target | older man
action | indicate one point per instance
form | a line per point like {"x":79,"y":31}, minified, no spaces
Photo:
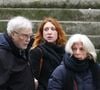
{"x":15,"y":72}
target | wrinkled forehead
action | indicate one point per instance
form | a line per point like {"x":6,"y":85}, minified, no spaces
{"x":78,"y":43}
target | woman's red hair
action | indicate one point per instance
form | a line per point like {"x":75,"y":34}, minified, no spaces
{"x":39,"y":34}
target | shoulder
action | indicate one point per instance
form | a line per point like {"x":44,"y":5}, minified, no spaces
{"x":56,"y":80}
{"x":59,"y":78}
{"x":95,"y":68}
{"x":35,"y":50}
{"x":98,"y":67}
{"x":35,"y":54}
{"x":60,"y":72}
{"x":2,"y":39}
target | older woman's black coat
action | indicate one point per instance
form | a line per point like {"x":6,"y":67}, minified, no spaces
{"x":15,"y":71}
{"x":52,"y":55}
{"x":63,"y":78}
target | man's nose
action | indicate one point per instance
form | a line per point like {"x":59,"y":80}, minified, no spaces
{"x":77,"y":51}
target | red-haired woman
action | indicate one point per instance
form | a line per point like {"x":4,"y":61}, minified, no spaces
{"x":49,"y":45}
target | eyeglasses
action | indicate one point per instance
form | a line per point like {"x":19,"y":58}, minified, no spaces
{"x":25,"y":36}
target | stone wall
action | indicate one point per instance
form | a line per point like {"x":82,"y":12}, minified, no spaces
{"x":76,"y":16}
{"x":54,"y":3}
{"x":13,"y":2}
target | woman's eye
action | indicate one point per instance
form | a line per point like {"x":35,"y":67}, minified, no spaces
{"x":74,"y":49}
{"x":49,"y":28}
{"x":81,"y":49}
{"x":46,"y":29}
{"x":52,"y":28}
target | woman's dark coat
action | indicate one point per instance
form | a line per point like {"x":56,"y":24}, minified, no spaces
{"x":51,"y":55}
{"x":63,"y":78}
{"x":15,"y":71}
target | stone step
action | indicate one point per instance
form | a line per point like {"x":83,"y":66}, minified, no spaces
{"x":59,"y":13}
{"x":51,"y":3}
{"x":70,"y":27}
{"x":92,"y":29}
{"x":86,"y":21}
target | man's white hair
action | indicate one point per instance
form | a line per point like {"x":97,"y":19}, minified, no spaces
{"x":17,"y":23}
{"x":87,"y":44}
